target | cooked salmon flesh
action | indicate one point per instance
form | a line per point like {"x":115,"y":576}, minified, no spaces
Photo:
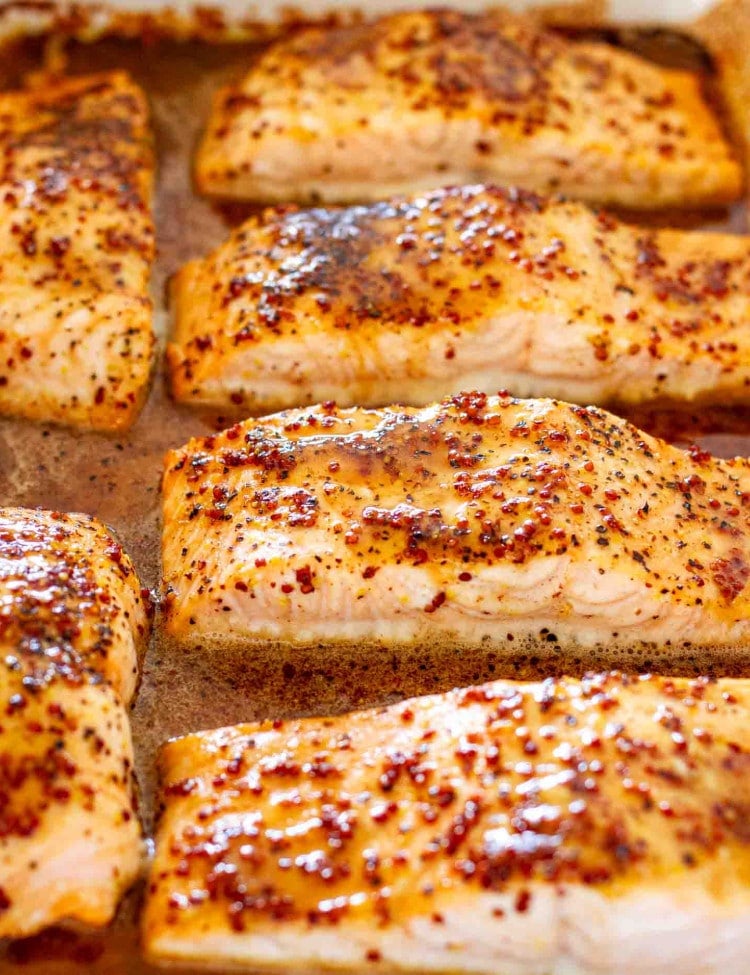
{"x":76,"y":247}
{"x":519,"y":526}
{"x":72,"y":621}
{"x":594,"y":827}
{"x":461,"y":288}
{"x":421,"y":98}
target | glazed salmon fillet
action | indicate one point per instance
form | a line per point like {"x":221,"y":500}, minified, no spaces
{"x":564,"y":827}
{"x":462,"y":288}
{"x":414,"y":99}
{"x":71,"y":622}
{"x":531,"y":528}
{"x":67,"y":589}
{"x":76,"y":247}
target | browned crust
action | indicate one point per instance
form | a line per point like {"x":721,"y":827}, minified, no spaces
{"x":453,"y":760}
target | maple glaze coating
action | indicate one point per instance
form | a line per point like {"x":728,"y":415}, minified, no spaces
{"x":510,"y":523}
{"x":70,"y":599}
{"x":72,"y":620}
{"x":461,"y":288}
{"x":76,"y":247}
{"x":561,"y":826}
{"x":418,"y":98}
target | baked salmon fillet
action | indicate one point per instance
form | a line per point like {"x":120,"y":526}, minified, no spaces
{"x":538,"y":529}
{"x":462,"y":288}
{"x":71,"y":621}
{"x":414,"y":99}
{"x":76,"y":247}
{"x":559,"y":828}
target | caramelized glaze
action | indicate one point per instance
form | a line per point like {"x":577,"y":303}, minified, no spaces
{"x":76,"y":246}
{"x":508,"y":827}
{"x":482,"y":520}
{"x":472,"y":287}
{"x":71,"y":621}
{"x":70,"y":601}
{"x":419,"y":98}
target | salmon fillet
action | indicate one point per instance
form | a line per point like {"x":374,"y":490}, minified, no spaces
{"x":76,"y":247}
{"x":414,"y":99}
{"x":71,"y":621}
{"x":565,"y":827}
{"x":538,"y":529}
{"x":67,"y":589}
{"x":463,"y":288}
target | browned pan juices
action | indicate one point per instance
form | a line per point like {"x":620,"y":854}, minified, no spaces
{"x":118,"y":480}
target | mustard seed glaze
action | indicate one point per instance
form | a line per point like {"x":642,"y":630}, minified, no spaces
{"x":72,"y":620}
{"x":464,"y":287}
{"x":477,"y":803}
{"x":420,"y":98}
{"x":70,"y":599}
{"x":76,"y":246}
{"x":481,"y":519}
{"x":118,"y":480}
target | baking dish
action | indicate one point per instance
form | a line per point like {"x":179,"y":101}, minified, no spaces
{"x":118,"y":480}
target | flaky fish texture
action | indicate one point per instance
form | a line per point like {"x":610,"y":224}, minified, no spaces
{"x":521,"y":526}
{"x":414,"y":99}
{"x":72,"y":620}
{"x":461,"y":288}
{"x":565,"y":828}
{"x":76,"y":247}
